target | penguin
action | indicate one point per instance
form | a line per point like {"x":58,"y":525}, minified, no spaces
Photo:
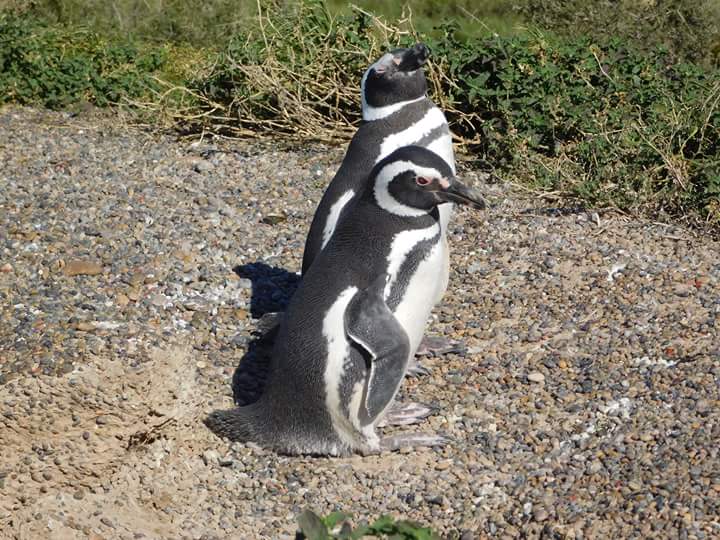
{"x":352,"y":326}
{"x":396,"y":112}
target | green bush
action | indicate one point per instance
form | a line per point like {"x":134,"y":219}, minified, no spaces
{"x":57,"y":66}
{"x":208,"y":23}
{"x":205,"y":23}
{"x":608,"y":124}
{"x":688,"y":29}
{"x":610,"y":121}
{"x":336,"y":526}
{"x":472,"y":17}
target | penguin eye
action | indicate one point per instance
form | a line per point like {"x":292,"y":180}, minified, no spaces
{"x":422,"y":181}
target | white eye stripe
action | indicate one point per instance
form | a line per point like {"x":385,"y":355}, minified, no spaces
{"x":386,"y":175}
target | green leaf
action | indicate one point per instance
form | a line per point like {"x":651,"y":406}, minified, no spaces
{"x":383,"y":524}
{"x":415,"y":531}
{"x":332,"y":519}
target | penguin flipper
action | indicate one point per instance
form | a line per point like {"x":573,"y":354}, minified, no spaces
{"x":373,"y":327}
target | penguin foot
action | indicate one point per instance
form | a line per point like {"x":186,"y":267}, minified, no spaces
{"x":438,"y":346}
{"x":405,"y":414}
{"x":412,"y":440}
{"x":416,"y":369}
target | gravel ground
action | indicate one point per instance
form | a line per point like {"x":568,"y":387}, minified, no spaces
{"x":133,"y":268}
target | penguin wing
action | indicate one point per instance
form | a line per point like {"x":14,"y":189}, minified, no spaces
{"x":371,"y":325}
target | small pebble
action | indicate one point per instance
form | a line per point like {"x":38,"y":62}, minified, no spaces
{"x":203,"y":166}
{"x":210,"y":457}
{"x":78,"y":267}
{"x":141,"y":265}
{"x":536,"y":377}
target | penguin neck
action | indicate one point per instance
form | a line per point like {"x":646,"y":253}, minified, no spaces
{"x":370,"y":113}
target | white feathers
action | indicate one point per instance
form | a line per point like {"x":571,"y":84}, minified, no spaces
{"x":371,"y":440}
{"x":337,"y":353}
{"x":433,"y":119}
{"x":413,"y":134}
{"x":356,"y":401}
{"x":614,"y":270}
{"x":425,"y":285}
{"x":333,"y":215}
{"x":442,"y":146}
{"x":370,"y":113}
{"x":403,"y":243}
{"x":382,"y":193}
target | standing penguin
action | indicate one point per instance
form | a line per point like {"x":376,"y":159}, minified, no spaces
{"x":396,"y":112}
{"x":357,"y":317}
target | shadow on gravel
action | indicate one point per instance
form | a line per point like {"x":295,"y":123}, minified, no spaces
{"x":249,"y":378}
{"x":272,"y":289}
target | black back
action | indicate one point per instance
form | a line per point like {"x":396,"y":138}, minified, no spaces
{"x":361,"y":157}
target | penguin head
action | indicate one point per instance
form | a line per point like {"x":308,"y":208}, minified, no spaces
{"x":413,"y":180}
{"x":395,"y":78}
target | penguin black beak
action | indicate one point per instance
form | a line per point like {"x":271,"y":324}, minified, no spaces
{"x":456,"y":191}
{"x":413,"y":58}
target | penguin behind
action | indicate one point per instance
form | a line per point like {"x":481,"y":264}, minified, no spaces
{"x":396,"y":112}
{"x":345,"y":342}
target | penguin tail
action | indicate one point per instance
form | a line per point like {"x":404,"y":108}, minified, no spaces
{"x":239,"y":424}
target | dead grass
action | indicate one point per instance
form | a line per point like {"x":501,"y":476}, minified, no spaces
{"x":283,"y":94}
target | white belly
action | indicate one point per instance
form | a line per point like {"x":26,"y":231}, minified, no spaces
{"x":443,"y":148}
{"x":444,"y":271}
{"x":420,"y":295}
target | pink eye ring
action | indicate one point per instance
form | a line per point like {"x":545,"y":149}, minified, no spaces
{"x":422,"y":181}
